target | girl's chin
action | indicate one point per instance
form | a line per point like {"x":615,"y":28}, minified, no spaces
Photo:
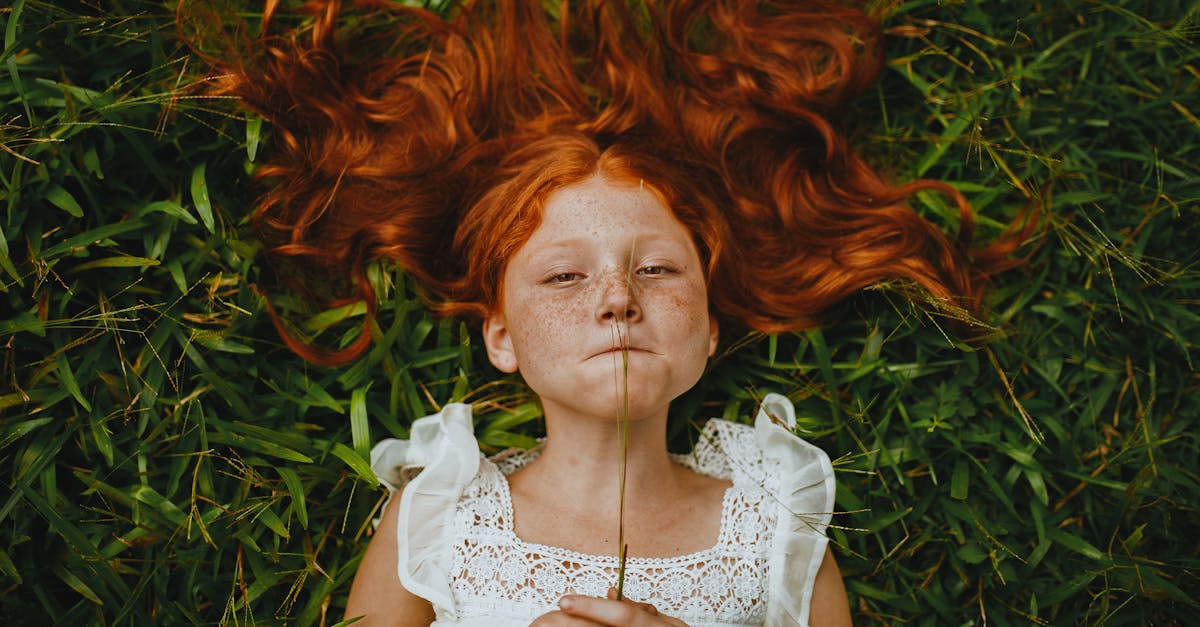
{"x":614,"y":407}
{"x":604,"y":397}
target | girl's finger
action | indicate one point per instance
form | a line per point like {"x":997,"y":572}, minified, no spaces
{"x":614,"y":613}
{"x":562,"y":619}
{"x":645,"y":607}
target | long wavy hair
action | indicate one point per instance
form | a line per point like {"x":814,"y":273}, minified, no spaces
{"x":434,"y":141}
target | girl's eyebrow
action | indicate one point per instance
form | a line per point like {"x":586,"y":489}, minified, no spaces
{"x":657,"y":241}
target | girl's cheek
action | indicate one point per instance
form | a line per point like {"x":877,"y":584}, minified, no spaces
{"x":683,"y":304}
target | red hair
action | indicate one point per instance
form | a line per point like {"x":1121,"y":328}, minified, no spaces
{"x":435,"y":141}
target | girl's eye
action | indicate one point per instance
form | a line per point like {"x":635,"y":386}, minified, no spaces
{"x":654,"y":270}
{"x":563,"y":277}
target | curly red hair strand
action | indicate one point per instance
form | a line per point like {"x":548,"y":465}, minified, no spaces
{"x":402,"y":135}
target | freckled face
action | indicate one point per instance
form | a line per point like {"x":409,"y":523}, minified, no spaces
{"x":609,"y":261}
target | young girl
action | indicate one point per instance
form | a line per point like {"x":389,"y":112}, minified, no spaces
{"x":604,"y":310}
{"x":603,"y":186}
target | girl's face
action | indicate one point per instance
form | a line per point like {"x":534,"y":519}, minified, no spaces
{"x":609,"y":265}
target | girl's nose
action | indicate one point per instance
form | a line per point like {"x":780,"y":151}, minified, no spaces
{"x":618,"y":300}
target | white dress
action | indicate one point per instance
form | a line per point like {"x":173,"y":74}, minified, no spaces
{"x":458,"y":549}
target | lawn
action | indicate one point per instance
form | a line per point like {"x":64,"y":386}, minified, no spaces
{"x":164,"y":459}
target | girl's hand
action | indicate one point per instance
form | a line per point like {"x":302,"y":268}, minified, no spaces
{"x":585,"y":611}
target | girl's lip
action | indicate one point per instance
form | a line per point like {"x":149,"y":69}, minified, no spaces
{"x":618,"y":349}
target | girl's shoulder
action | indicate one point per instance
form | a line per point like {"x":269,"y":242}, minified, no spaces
{"x":767,"y":455}
{"x":794,"y":479}
{"x":433,"y":466}
{"x":444,"y":442}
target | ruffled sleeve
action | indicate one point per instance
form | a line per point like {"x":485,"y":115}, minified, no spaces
{"x":444,"y":450}
{"x":805,"y":499}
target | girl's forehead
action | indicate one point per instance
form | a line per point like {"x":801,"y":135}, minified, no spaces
{"x":599,"y":201}
{"x":597,"y":216}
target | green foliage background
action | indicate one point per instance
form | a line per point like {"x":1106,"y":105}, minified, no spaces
{"x":164,"y":460}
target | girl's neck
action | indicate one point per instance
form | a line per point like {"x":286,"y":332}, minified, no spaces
{"x":570,"y":495}
{"x":583,"y":457}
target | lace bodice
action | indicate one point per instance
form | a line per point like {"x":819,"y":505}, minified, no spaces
{"x":496,"y":574}
{"x":459,"y":549}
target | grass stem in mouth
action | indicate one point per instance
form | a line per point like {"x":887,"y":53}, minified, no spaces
{"x":623,"y":429}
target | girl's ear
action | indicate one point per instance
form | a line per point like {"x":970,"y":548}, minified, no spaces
{"x":714,"y":334}
{"x":499,"y":343}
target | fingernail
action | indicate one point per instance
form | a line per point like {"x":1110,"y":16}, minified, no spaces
{"x":566,"y":603}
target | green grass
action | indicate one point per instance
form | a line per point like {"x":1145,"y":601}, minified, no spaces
{"x":165,"y":460}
